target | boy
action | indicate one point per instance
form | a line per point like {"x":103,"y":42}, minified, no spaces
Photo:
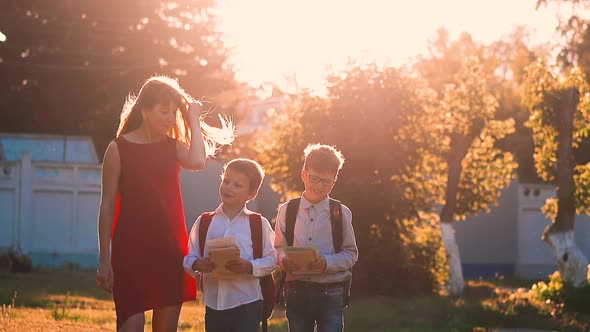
{"x":233,"y":304}
{"x":317,"y":298}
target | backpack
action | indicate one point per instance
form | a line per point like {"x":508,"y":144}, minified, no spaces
{"x":337,"y":238}
{"x":267,"y":283}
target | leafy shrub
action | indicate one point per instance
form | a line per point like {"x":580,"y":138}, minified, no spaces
{"x":14,"y":261}
{"x":563,"y":296}
{"x":406,"y":257}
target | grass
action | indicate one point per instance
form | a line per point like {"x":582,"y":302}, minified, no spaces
{"x":70,"y":301}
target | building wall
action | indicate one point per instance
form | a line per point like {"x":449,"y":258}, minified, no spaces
{"x":507,"y":240}
{"x":488,"y":242}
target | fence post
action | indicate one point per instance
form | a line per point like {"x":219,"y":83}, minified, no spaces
{"x":26,"y":203}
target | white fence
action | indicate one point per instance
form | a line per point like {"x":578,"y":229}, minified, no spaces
{"x":49,"y":211}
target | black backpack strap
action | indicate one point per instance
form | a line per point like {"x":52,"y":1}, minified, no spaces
{"x":290,"y":218}
{"x":336,"y":220}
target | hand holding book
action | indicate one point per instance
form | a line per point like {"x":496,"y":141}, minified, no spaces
{"x":204,"y":265}
{"x":239,"y":266}
{"x":304,"y":260}
{"x":221,"y":252}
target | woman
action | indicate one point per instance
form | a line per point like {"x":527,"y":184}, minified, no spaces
{"x":141,"y":218}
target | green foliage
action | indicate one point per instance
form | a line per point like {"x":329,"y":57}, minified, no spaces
{"x":542,"y":90}
{"x":282,"y":152}
{"x":466,"y":132}
{"x":541,"y":93}
{"x":561,"y":296}
{"x":486,"y":170}
{"x":407,"y":257}
{"x":62,"y":311}
{"x":501,"y":65}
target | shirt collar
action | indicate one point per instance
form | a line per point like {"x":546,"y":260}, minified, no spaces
{"x":324,"y":204}
{"x":244,"y":210}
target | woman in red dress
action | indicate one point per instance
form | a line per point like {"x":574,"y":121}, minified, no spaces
{"x":141,"y":225}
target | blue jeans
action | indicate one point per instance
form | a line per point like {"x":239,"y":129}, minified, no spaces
{"x":310,"y":305}
{"x":244,"y":318}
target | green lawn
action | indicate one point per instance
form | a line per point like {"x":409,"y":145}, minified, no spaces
{"x":70,"y":301}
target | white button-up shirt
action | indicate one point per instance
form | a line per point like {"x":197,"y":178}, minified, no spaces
{"x":227,"y":294}
{"x":314,"y":228}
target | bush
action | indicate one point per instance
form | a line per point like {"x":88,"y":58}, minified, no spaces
{"x":563,"y":296}
{"x":14,"y":261}
{"x":406,"y":258}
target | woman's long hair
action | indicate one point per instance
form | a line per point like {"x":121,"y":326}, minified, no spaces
{"x":162,"y":90}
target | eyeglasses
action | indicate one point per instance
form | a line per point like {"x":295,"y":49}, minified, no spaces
{"x":317,"y":179}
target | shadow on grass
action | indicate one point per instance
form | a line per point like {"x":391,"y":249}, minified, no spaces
{"x":42,"y":289}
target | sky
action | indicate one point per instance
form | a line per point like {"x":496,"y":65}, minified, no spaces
{"x":274,"y":38}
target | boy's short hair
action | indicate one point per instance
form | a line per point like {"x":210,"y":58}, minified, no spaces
{"x":250,"y":169}
{"x":323,"y":158}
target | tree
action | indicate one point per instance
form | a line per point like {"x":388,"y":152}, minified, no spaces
{"x":67,"y":66}
{"x":362,"y":115}
{"x":560,"y":118}
{"x":573,"y":46}
{"x":502,"y":63}
{"x":471,"y":169}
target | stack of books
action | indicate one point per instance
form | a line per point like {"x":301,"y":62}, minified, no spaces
{"x":221,"y":251}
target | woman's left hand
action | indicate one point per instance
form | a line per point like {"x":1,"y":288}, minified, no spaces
{"x":240,"y":266}
{"x":193,"y":112}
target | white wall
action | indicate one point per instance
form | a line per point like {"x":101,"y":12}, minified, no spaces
{"x":510,"y":234}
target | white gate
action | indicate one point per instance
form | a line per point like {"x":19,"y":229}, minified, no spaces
{"x":49,"y":211}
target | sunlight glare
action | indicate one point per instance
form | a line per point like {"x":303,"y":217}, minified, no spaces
{"x":272,"y":39}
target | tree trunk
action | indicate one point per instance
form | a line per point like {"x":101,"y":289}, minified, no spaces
{"x":571,"y":262}
{"x":456,"y":282}
{"x":459,"y":146}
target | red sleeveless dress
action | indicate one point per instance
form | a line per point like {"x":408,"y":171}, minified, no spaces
{"x":149,"y":239}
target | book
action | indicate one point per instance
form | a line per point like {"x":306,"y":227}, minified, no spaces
{"x":222,"y":242}
{"x":221,"y":251}
{"x":303,"y":256}
{"x":220,"y":257}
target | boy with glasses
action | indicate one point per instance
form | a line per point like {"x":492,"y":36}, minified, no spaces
{"x":317,"y":299}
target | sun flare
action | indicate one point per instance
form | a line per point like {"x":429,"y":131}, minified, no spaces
{"x":273,"y":39}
